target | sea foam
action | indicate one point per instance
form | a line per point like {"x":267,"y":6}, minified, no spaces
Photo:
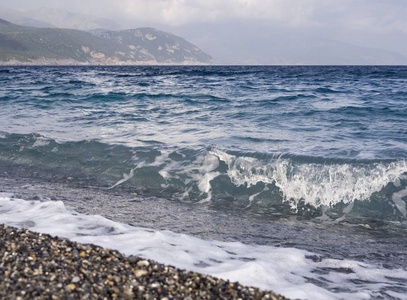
{"x":284,"y":270}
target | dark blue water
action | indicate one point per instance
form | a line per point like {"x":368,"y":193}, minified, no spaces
{"x":305,"y":157}
{"x":306,"y":141}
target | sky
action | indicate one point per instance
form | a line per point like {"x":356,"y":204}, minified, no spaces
{"x":222,"y":25}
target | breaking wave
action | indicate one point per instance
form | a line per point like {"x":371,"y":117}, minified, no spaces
{"x":280,"y":184}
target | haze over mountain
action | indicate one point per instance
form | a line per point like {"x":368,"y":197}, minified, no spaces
{"x":55,"y":46}
{"x":258,"y":37}
{"x":50,"y":17}
{"x":282,"y":46}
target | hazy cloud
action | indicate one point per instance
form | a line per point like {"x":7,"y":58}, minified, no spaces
{"x":183,"y":12}
{"x":225,"y":25}
{"x":353,"y":14}
{"x":369,"y":15}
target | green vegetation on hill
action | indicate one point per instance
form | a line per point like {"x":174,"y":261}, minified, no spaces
{"x":151,"y":44}
{"x":21,"y":44}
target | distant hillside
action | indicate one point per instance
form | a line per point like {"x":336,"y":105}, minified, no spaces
{"x":65,"y":19}
{"x":29,"y":45}
{"x":56,"y":18}
{"x":149,"y":44}
{"x":279,"y":45}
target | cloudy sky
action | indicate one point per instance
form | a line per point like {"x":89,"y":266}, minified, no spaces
{"x":224,"y":26}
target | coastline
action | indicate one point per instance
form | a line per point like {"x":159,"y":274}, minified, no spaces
{"x":37,"y":266}
{"x":49,"y":62}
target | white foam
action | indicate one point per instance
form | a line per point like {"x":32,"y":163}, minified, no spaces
{"x":315,"y":184}
{"x":284,"y":270}
{"x":201,"y":171}
{"x":399,"y":202}
{"x":124,"y":179}
{"x":41,"y":141}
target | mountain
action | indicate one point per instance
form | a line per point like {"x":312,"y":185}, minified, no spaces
{"x":56,"y":18}
{"x":276,"y":45}
{"x":245,"y":42}
{"x":22,"y":18}
{"x":64,"y":19}
{"x":149,"y":44}
{"x":50,"y":46}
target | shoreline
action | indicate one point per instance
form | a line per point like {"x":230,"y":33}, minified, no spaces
{"x":37,"y":266}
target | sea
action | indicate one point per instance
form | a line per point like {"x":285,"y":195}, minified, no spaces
{"x":289,"y":178}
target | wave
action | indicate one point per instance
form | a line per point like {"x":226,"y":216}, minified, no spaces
{"x":319,"y":183}
{"x":266,"y":183}
{"x":292,"y":272}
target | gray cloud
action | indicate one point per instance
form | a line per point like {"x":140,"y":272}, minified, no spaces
{"x":352,"y":14}
{"x":370,"y":23}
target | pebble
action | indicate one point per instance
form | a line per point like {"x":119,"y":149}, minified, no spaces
{"x":143,"y":263}
{"x":39,"y":266}
{"x":140,"y":273}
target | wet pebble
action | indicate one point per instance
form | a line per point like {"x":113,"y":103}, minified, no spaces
{"x":38,"y":266}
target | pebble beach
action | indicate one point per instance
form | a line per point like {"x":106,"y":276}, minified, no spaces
{"x":39,"y":266}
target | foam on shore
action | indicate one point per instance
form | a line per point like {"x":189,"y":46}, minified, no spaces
{"x":38,"y":266}
{"x":287,"y":271}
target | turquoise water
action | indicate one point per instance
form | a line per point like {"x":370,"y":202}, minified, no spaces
{"x":284,"y":146}
{"x":286,"y":140}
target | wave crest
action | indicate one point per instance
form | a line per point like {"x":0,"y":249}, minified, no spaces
{"x":313,"y":183}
